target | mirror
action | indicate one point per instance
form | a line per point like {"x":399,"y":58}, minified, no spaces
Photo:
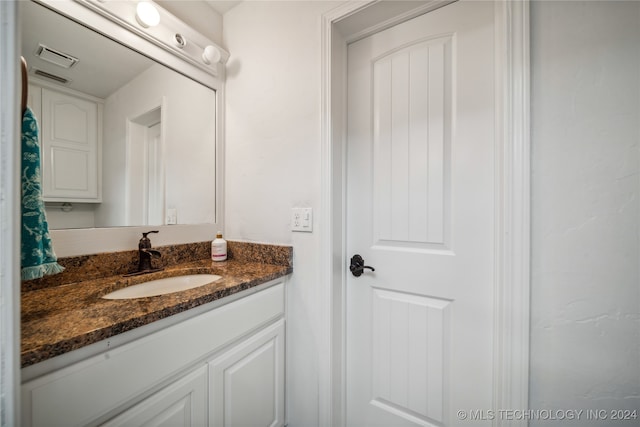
{"x":155,"y":157}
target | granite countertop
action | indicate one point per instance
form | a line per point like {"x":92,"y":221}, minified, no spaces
{"x":67,"y":316}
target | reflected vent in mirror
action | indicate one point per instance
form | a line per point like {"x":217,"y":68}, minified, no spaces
{"x":56,"y":57}
{"x":50,"y":76}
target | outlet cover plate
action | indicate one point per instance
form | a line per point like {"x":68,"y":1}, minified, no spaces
{"x":302,"y":219}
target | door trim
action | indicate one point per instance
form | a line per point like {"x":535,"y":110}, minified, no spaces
{"x":10,"y":122}
{"x":511,"y":325}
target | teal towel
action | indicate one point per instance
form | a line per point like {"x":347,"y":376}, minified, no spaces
{"x":37,"y":256}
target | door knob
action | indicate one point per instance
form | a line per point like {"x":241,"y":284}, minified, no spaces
{"x":357,"y":266}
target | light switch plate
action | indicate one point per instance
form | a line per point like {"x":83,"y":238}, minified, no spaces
{"x":302,"y":219}
{"x":172,"y":216}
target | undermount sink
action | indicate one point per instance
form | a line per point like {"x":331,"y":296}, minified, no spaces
{"x":163,"y":286}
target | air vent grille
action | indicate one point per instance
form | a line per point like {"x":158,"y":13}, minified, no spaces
{"x":56,"y":57}
{"x":50,"y":76}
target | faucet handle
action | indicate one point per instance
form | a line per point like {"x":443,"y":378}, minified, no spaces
{"x":144,"y":242}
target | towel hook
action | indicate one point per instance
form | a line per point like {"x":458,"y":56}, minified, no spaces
{"x":25,"y":85}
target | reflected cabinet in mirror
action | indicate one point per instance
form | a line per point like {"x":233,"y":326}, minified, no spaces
{"x":126,"y":140}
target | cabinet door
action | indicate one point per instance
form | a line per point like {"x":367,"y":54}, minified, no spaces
{"x":246,"y":383}
{"x":70,"y":149}
{"x":183,"y":403}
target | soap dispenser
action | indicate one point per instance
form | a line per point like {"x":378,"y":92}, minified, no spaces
{"x":219,"y":248}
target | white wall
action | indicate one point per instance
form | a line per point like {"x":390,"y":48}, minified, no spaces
{"x":273,"y":162}
{"x":585,"y":275}
{"x":585,"y":291}
{"x":81,"y":215}
{"x":189,"y":133}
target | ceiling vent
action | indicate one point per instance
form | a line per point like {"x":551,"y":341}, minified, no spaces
{"x":50,"y":76}
{"x":55,"y":57}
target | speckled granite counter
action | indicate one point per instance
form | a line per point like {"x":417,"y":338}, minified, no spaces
{"x":65,"y":313}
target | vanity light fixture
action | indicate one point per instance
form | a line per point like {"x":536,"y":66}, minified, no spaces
{"x":147,"y":15}
{"x":181,"y":41}
{"x":168,"y":32}
{"x":211,"y":55}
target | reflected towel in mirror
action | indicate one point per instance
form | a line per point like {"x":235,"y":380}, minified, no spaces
{"x":37,"y":256}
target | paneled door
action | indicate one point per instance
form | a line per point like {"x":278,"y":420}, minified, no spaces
{"x":70,"y":148}
{"x":421,"y":211}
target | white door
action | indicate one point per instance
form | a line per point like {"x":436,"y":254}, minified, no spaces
{"x":155,"y":177}
{"x":145,"y":170}
{"x":420,"y":210}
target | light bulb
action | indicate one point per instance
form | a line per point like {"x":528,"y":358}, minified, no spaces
{"x":211,"y":55}
{"x":147,"y":15}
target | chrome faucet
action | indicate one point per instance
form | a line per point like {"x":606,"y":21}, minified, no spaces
{"x":146,"y":253}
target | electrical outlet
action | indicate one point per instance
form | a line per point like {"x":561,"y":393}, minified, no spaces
{"x":302,"y":219}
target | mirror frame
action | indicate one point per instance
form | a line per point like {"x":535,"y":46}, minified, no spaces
{"x":73,"y":242}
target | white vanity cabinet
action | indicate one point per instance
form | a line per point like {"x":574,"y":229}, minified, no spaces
{"x":222,"y":367}
{"x":183,"y":403}
{"x":247,"y":382}
{"x":70,"y":139}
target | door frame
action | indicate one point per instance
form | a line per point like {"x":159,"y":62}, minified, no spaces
{"x":10,"y":122}
{"x":512,"y":219}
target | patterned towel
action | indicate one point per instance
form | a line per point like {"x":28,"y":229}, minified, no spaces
{"x":37,"y":256}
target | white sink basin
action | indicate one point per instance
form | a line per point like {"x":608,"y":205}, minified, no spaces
{"x":163,"y":286}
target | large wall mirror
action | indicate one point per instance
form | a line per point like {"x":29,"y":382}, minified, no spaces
{"x":127,"y":140}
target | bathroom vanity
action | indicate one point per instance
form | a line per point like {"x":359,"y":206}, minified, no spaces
{"x":214,"y":366}
{"x":212,"y":355}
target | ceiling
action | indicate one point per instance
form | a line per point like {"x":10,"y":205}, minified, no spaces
{"x":222,"y":6}
{"x":99,"y":71}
